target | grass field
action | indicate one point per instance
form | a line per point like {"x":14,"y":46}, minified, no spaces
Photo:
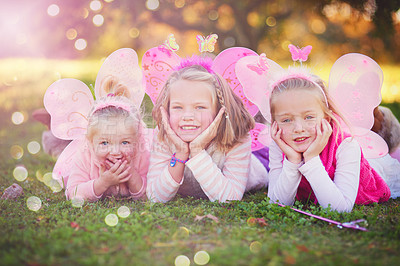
{"x":249,"y":232}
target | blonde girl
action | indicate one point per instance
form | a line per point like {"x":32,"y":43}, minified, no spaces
{"x":203,"y":147}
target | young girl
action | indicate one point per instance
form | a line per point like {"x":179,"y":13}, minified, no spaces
{"x":203,"y":147}
{"x":114,"y":159}
{"x":312,"y":159}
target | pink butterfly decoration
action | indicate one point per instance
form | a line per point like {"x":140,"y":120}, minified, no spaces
{"x":206,"y":44}
{"x":261,"y":66}
{"x":300,"y":54}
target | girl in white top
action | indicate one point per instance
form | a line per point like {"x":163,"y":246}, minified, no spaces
{"x":203,"y":147}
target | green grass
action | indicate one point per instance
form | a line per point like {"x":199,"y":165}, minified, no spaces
{"x":155,"y":234}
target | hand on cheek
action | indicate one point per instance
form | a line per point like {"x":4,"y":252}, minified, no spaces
{"x":203,"y":140}
{"x":181,"y":146}
{"x":324,"y":131}
{"x":276,"y":134}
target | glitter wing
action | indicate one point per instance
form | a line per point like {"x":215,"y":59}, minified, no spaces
{"x":157,"y":64}
{"x":224,"y":64}
{"x":68,"y":102}
{"x":255,"y":86}
{"x":359,"y":79}
{"x":124,"y":65}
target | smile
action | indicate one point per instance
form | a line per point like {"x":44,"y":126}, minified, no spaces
{"x":189,"y":127}
{"x":300,"y":139}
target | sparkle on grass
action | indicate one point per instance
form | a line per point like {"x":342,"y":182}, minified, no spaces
{"x":33,"y":147}
{"x":111,"y":219}
{"x":255,"y":247}
{"x":201,"y":257}
{"x":17,"y":118}
{"x":34,"y":203}
{"x":20,"y":173}
{"x":123,"y":212}
{"x":77,"y":202}
{"x":16,"y":152}
{"x":182,"y":260}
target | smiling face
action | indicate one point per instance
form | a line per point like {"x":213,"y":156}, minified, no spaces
{"x":297,"y":113}
{"x":114,"y":139}
{"x":191,"y":109}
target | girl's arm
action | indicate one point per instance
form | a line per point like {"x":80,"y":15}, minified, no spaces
{"x":228,"y":183}
{"x":137,"y":184}
{"x":80,"y":184}
{"x":284,"y":177}
{"x":341,"y":193}
{"x":161,"y":186}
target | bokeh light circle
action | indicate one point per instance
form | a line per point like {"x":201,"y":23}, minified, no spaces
{"x":201,"y":257}
{"x":123,"y":211}
{"x":71,"y":34}
{"x":34,"y":203}
{"x":134,"y":33}
{"x":182,"y":260}
{"x":54,"y":186}
{"x":47,"y":177}
{"x":33,"y":147}
{"x":16,"y":152}
{"x":53,"y":10}
{"x":17,"y":118}
{"x":80,"y":44}
{"x":98,"y":20}
{"x":39,"y":175}
{"x":111,"y":219}
{"x":95,"y":5}
{"x":255,"y":246}
{"x":152,"y":4}
{"x":20,"y":173}
{"x":77,"y":202}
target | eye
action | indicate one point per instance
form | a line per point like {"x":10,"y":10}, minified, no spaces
{"x":200,"y":107}
{"x":309,"y":117}
{"x":125,"y":142}
{"x":287,"y":120}
{"x":176,"y":107}
{"x":104,"y":143}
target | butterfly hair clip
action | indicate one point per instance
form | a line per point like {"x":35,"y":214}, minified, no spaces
{"x":300,"y":54}
{"x":207,"y":44}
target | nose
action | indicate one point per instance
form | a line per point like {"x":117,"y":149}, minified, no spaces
{"x":115,"y":149}
{"x":188,"y":115}
{"x":298,"y":126}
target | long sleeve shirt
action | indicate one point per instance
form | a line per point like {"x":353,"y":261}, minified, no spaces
{"x":210,"y":174}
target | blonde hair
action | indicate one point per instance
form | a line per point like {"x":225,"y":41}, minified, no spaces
{"x":325,"y":101}
{"x":234,"y":126}
{"x":120,"y":93}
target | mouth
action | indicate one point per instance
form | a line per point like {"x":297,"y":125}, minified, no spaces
{"x":301,"y":139}
{"x":189,"y":127}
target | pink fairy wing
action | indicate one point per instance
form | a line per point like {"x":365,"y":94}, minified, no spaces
{"x":372,"y":145}
{"x":65,"y":162}
{"x":224,"y":64}
{"x":157,"y":64}
{"x":124,"y":65}
{"x":260,"y":137}
{"x":355,"y":85}
{"x":68,"y":102}
{"x":256,"y":86}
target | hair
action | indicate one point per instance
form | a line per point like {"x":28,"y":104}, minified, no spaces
{"x":325,"y":101}
{"x":119,"y":93}
{"x":234,"y":126}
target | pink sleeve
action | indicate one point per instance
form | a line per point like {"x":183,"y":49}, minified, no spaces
{"x":161,"y":187}
{"x":80,"y":183}
{"x":228,"y":183}
{"x":142,"y":166}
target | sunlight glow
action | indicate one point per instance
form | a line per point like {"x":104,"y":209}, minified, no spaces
{"x":17,"y":118}
{"x":20,"y":173}
{"x":201,"y":257}
{"x":95,"y":5}
{"x":53,"y":10}
{"x":111,"y":220}
{"x":152,"y":4}
{"x":16,"y":152}
{"x":80,"y":44}
{"x":182,"y":260}
{"x":33,"y":147}
{"x":98,"y":20}
{"x":34,"y":203}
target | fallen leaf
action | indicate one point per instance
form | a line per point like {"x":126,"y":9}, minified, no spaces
{"x":210,"y":216}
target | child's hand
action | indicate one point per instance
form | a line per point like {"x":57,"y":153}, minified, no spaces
{"x":324,"y":131}
{"x":181,"y":146}
{"x":203,"y":140}
{"x":292,"y":155}
{"x":117,"y":173}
